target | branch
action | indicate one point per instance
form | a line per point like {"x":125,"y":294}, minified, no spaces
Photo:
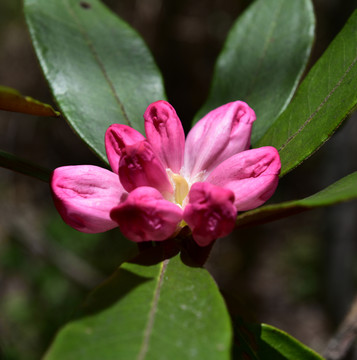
{"x":342,"y":341}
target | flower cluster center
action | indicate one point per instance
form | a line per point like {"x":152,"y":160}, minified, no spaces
{"x":181,"y":188}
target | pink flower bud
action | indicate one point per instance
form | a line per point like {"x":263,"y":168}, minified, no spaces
{"x":165,"y":134}
{"x":210,"y":212}
{"x":146,"y":216}
{"x":139,"y":166}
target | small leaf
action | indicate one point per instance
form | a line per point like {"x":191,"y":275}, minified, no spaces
{"x":265,"y":342}
{"x":263,"y":59}
{"x":12,"y":162}
{"x":12,"y":100}
{"x":324,"y":99}
{"x":286,"y":346}
{"x":99,"y":69}
{"x":164,"y":311}
{"x":344,"y":189}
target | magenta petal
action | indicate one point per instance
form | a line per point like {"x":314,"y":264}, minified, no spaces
{"x":222,"y":133}
{"x":210,"y":212}
{"x":252,"y":175}
{"x":139,"y":166}
{"x":146,"y":216}
{"x":117,"y":137}
{"x":84,"y":196}
{"x":165,"y":134}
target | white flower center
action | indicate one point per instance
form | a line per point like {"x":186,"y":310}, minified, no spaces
{"x":180,"y":186}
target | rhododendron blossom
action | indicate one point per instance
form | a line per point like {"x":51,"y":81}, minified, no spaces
{"x":162,"y":183}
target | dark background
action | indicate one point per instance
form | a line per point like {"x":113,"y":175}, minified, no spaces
{"x":298,"y":274}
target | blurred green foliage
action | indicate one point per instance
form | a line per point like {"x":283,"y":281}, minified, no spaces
{"x":36,"y":297}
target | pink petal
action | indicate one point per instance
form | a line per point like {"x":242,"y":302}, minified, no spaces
{"x":222,"y":133}
{"x":252,"y":175}
{"x":117,"y":137}
{"x":139,"y":166}
{"x":84,"y":196}
{"x":165,"y":134}
{"x":210,"y":212}
{"x":146,"y":216}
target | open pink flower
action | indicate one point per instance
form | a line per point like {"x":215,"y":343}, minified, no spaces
{"x":161,"y":183}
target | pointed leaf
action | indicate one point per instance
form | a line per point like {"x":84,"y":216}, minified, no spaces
{"x":265,"y":342}
{"x":343,"y":190}
{"x":324,"y":99}
{"x":98,"y":67}
{"x":164,"y":311}
{"x":263,"y":59}
{"x":12,"y":162}
{"x":12,"y":100}
{"x":285,"y":345}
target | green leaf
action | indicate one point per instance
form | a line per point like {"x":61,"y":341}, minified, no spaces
{"x":263,"y":59}
{"x":265,"y":342}
{"x":324,"y":99}
{"x":164,"y":311}
{"x":12,"y":162}
{"x":12,"y":100}
{"x":99,"y":69}
{"x":284,"y":344}
{"x":344,"y":189}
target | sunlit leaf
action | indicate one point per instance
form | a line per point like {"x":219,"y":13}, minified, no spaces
{"x":99,"y":69}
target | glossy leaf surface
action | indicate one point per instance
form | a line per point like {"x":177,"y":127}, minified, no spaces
{"x":263,"y":59}
{"x":99,"y":69}
{"x":344,"y":189}
{"x":325,"y":98}
{"x":164,"y":311}
{"x":12,"y":100}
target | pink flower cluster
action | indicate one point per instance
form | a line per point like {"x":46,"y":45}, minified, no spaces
{"x":162,"y":183}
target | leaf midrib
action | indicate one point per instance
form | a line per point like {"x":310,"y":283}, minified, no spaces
{"x":311,"y":117}
{"x":99,"y":62}
{"x":267,"y":43}
{"x":151,"y":318}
